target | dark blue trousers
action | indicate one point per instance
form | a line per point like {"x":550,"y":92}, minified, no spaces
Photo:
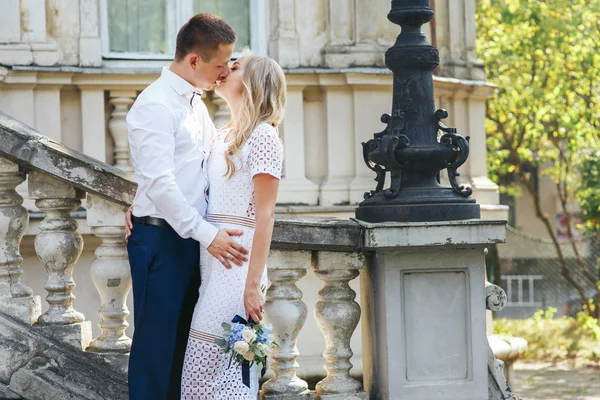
{"x":166,"y":277}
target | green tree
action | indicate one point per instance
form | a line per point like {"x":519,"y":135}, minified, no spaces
{"x":589,"y":195}
{"x":545,"y":118}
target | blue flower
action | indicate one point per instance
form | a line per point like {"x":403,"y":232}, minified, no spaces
{"x":264,"y":338}
{"x":236,"y":333}
{"x":261,"y":339}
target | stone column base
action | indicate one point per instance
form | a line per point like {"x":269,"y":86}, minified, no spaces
{"x":25,"y":309}
{"x":334,"y":191}
{"x":306,"y":395}
{"x":77,"y":335}
{"x":344,"y":396}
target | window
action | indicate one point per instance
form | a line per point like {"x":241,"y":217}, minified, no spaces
{"x":146,"y":29}
{"x":230,"y":11}
{"x":137,"y":26}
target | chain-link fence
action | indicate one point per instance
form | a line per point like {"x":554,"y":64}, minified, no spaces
{"x":528,"y":269}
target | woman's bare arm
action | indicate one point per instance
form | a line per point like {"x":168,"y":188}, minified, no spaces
{"x":265,"y":196}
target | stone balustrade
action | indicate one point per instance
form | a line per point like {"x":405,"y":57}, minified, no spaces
{"x":329,"y":113}
{"x":335,"y":251}
{"x":58,"y":181}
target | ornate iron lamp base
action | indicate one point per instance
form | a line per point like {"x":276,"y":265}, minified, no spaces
{"x":415,"y":145}
{"x":418,"y":204}
{"x":417,"y":212}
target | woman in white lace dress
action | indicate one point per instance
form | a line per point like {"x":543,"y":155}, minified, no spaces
{"x":244,"y":168}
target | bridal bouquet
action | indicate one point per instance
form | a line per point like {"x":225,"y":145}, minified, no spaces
{"x":248,"y":343}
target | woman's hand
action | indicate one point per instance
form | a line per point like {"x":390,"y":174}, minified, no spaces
{"x":128,"y":222}
{"x":254,"y":301}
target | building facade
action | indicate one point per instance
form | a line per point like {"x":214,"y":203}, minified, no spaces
{"x":72,"y":69}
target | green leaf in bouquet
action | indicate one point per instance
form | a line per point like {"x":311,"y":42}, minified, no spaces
{"x":226,"y":327}
{"x":221,"y":342}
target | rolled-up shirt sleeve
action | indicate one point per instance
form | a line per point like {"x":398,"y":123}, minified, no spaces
{"x":152,"y":142}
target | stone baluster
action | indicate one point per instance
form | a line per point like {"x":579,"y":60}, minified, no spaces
{"x":58,"y":246}
{"x":117,"y":125}
{"x":110,"y":274}
{"x":337,"y":315}
{"x":286,"y":311}
{"x":16,"y":299}
{"x":221,"y":115}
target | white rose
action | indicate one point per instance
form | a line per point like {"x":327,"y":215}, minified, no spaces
{"x":263,"y":348}
{"x":248,"y":335}
{"x":249,"y":356}
{"x":241,"y":347}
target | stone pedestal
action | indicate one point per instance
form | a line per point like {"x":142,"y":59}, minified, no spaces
{"x":78,"y":335}
{"x":423,"y":298}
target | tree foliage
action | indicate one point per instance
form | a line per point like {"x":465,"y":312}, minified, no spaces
{"x":589,"y":194}
{"x":545,"y":118}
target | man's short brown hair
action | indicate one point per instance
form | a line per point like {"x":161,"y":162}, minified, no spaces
{"x":203,"y":34}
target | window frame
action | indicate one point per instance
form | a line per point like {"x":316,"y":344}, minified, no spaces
{"x":179,"y":11}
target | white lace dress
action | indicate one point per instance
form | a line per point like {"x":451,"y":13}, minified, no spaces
{"x":230,"y":205}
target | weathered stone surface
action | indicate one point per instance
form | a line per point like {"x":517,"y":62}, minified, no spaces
{"x":58,"y":245}
{"x":26,"y":309}
{"x":495,"y":297}
{"x":110,"y":274}
{"x":337,"y":315}
{"x":16,"y":298}
{"x":316,"y":234}
{"x":28,"y":148}
{"x":498,"y":388}
{"x":15,"y":352}
{"x":342,"y":396}
{"x":423,"y":311}
{"x":462,"y":233}
{"x":7,"y":394}
{"x":286,"y":311}
{"x":77,"y":335}
{"x":306,"y":395}
{"x":47,"y":369}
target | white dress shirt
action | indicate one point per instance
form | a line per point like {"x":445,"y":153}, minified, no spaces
{"x":169,"y":137}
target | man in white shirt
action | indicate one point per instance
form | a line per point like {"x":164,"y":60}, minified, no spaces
{"x":169,"y":137}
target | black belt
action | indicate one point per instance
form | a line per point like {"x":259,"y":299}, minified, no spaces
{"x":151,"y":221}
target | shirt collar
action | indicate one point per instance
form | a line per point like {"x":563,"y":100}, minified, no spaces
{"x":180,"y":85}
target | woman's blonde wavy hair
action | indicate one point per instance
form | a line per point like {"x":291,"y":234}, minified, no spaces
{"x":264,"y":100}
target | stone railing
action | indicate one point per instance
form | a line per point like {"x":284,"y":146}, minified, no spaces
{"x":330,"y":112}
{"x":335,"y":251}
{"x":59,"y":179}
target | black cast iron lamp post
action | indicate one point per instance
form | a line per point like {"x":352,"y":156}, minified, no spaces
{"x":409,"y":148}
